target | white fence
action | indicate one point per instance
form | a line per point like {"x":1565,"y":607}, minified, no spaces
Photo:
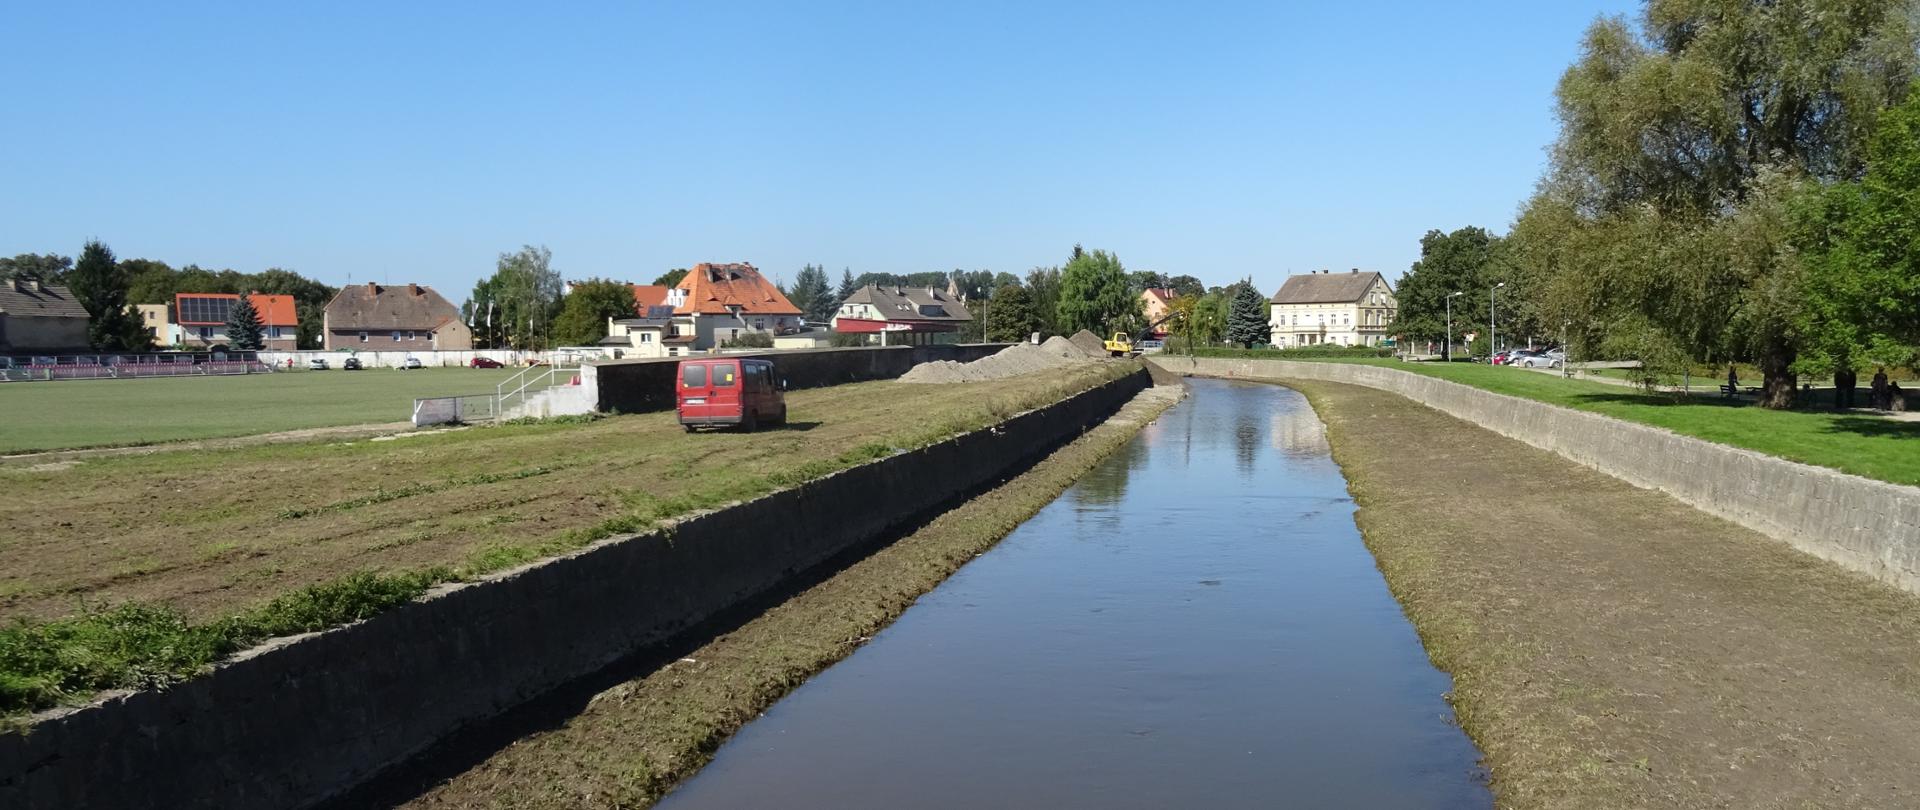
{"x":433,"y":359}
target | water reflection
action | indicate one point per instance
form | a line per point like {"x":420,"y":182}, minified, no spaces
{"x":1196,"y":624}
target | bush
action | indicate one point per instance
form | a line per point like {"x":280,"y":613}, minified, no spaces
{"x":848,"y":340}
{"x":750,"y":340}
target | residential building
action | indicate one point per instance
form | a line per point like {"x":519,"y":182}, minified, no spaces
{"x":1156,"y":304}
{"x":649,"y":295}
{"x":161,"y":330}
{"x":1323,"y":308}
{"x":716,"y":303}
{"x":903,"y":316}
{"x":39,"y":317}
{"x":643,"y":336}
{"x":376,"y":317}
{"x":201,"y":319}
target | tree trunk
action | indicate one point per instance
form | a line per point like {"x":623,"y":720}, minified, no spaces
{"x":1779,"y":381}
{"x":1844,"y":382}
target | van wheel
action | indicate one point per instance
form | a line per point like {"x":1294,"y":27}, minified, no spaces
{"x":689,"y":427}
{"x":749,"y":422}
{"x":782,"y":418}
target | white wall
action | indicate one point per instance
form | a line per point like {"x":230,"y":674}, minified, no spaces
{"x":435,"y":359}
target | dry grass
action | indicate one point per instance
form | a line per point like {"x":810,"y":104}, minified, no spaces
{"x":636,"y":740}
{"x":1612,"y":647}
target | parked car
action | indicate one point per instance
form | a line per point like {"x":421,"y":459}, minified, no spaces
{"x":412,"y":362}
{"x":352,"y":364}
{"x":317,"y":364}
{"x":729,"y":391}
{"x":486,"y":362}
{"x":1554,"y":358}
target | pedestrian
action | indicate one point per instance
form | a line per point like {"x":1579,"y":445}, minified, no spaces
{"x":1880,"y":399}
{"x":1844,"y":381}
{"x":1896,"y":398}
{"x":1733,"y":380}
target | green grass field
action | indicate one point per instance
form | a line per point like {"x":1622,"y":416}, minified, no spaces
{"x":99,"y":413}
{"x":1869,"y":446}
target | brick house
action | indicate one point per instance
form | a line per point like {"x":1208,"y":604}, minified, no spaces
{"x":40,"y":317}
{"x":200,"y":319}
{"x":374,"y":317}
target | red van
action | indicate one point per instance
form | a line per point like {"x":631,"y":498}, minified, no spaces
{"x":729,"y":391}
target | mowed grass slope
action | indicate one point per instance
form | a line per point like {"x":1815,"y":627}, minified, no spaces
{"x":215,"y":531}
{"x":99,"y":413}
{"x":1868,"y":446}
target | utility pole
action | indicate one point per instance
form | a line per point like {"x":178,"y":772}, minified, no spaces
{"x":1493,"y":333}
{"x":1447,"y":352}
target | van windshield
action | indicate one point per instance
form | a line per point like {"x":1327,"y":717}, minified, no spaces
{"x":694,"y":376}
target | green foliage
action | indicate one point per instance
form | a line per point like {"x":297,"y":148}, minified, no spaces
{"x":1043,"y":285}
{"x":1247,"y":324}
{"x":526,"y":292}
{"x":1187,"y":286}
{"x":812,"y":295}
{"x":243,"y":326}
{"x":100,"y":285}
{"x":1010,"y":317}
{"x":585,"y":310}
{"x":749,"y":340}
{"x":154,"y":282}
{"x":51,"y":268}
{"x":847,"y":340}
{"x":1462,"y":262}
{"x":846,"y":285}
{"x":932,"y":278}
{"x":670,"y":278}
{"x":1095,"y":295}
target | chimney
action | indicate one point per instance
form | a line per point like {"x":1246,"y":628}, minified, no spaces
{"x":372,"y":288}
{"x":1354,"y":270}
{"x":414,"y":289}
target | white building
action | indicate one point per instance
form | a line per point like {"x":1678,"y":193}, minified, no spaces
{"x":1342,"y":309}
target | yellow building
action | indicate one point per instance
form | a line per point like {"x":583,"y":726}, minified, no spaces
{"x":1340,"y":309}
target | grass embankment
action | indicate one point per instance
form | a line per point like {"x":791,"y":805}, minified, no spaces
{"x":633,"y":742}
{"x":1868,"y":446}
{"x":101,"y":413}
{"x":217,"y":550}
{"x":1611,"y":647}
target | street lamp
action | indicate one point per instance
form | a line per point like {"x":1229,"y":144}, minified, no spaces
{"x":1448,"y":354}
{"x":1493,"y":333}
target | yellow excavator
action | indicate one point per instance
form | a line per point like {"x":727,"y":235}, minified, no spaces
{"x":1121,"y":345}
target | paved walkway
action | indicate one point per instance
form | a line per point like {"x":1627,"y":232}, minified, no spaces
{"x":1612,"y":647}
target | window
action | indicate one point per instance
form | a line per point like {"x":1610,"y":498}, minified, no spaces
{"x":646,"y":337}
{"x":723,"y":376}
{"x":363,"y":337}
{"x":694,"y":377}
{"x":206,"y":333}
{"x":396,"y":334}
{"x":736,"y":333}
{"x":760,"y":323}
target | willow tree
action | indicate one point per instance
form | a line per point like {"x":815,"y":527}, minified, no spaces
{"x":1661,"y":220}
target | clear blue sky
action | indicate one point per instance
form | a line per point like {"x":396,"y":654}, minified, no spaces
{"x":400,"y":142}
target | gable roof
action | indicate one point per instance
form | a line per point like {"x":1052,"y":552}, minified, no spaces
{"x":717,"y":289}
{"x":911,"y":303}
{"x":372,"y":306}
{"x":48,"y":301}
{"x":648,"y":295}
{"x":273,"y":310}
{"x":1163,"y":294}
{"x":1327,"y":288}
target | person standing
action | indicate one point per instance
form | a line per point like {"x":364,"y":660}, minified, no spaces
{"x":1881,"y":401}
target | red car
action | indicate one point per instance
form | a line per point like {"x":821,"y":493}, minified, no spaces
{"x":485,"y":362}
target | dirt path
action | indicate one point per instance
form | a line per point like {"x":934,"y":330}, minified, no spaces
{"x":1612,"y":647}
{"x":627,"y":744}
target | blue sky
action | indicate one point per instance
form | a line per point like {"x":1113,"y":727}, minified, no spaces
{"x":415,"y":142}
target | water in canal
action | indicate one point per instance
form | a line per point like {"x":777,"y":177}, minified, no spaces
{"x":1194,"y":624}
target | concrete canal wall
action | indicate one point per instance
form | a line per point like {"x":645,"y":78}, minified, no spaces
{"x":1869,"y":526}
{"x":638,"y":386}
{"x":303,"y":719}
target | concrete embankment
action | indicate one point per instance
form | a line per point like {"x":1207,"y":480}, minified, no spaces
{"x":1869,"y":526}
{"x":305,"y":718}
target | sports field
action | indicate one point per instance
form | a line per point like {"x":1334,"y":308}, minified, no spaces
{"x":105,"y":413}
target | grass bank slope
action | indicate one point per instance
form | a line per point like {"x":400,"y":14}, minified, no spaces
{"x":1612,"y":647}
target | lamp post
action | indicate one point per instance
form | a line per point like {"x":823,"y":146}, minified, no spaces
{"x":1493,"y":332}
{"x":1448,"y":354}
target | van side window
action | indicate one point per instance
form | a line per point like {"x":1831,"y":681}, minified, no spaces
{"x":723,"y":376}
{"x":694,"y":376}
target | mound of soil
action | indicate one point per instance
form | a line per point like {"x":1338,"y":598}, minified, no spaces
{"x":1093,"y":345}
{"x":1013,"y":361}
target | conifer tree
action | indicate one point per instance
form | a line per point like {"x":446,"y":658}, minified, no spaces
{"x":1247,"y":319}
{"x":243,"y":326}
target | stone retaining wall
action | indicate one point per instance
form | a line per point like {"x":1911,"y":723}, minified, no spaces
{"x":638,"y":386}
{"x":1866,"y":525}
{"x":303,"y":719}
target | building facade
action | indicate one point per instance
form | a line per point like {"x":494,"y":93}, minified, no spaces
{"x":375,"y":317}
{"x":39,"y":317}
{"x":1333,"y":309}
{"x":200,"y":320}
{"x":1156,"y":303}
{"x":716,"y":303}
{"x":903,"y":316}
{"x":158,"y":321}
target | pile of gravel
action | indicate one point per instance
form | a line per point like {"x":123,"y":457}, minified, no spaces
{"x":1013,"y":361}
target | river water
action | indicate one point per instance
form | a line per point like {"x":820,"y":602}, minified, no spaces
{"x":1194,"y":624}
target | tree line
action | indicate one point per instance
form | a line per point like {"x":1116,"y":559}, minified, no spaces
{"x":1731,"y":183}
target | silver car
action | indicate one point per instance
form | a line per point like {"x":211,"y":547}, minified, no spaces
{"x":1548,"y":359}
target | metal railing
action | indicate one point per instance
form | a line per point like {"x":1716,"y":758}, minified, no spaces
{"x":517,"y":389}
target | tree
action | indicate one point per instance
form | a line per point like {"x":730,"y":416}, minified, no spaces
{"x":1095,"y":295}
{"x":671,"y":277}
{"x":812,"y":295}
{"x":526,"y":290}
{"x":50,"y":268}
{"x":243,"y":326}
{"x":1144,"y":280}
{"x":1187,"y":286}
{"x":1247,"y":317}
{"x":1681,"y":144}
{"x":1010,"y":317}
{"x":1043,"y":285}
{"x":846,"y":285}
{"x":584,"y":311}
{"x":101,"y":287}
{"x":1461,"y":261}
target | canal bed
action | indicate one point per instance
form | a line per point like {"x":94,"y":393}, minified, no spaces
{"x":1194,"y":623}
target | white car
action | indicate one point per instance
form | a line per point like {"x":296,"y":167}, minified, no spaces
{"x":1548,"y":359}
{"x":412,"y":362}
{"x":317,"y":364}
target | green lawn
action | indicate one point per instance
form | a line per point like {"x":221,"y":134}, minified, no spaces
{"x":1867,"y":446}
{"x":94,"y":413}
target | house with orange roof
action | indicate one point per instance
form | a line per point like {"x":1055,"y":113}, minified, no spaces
{"x":1158,"y":304}
{"x":201,"y":319}
{"x":716,"y":303}
{"x":648,"y":296}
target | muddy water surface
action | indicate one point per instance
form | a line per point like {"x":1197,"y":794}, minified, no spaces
{"x":1194,"y":624}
